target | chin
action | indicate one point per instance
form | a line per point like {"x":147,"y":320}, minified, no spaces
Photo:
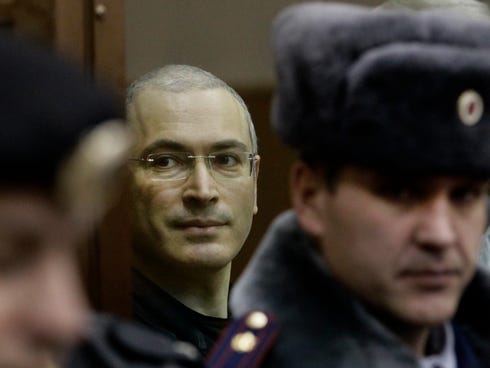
{"x":210,"y":256}
{"x":429,"y":312}
{"x":208,"y":264}
{"x":219,"y":249}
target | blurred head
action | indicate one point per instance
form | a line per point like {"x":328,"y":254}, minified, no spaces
{"x":392,"y":188}
{"x":58,"y":150}
{"x":194,"y":170}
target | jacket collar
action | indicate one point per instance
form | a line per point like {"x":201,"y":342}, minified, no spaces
{"x":287,"y":278}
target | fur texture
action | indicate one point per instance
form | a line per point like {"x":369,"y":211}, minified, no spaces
{"x":322,"y":325}
{"x":380,"y":88}
{"x":471,"y":8}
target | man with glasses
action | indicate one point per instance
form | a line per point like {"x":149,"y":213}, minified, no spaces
{"x":194,"y":172}
{"x":378,"y":261}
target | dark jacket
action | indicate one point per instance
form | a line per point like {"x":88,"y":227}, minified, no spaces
{"x":323,"y":325}
{"x":113,"y":343}
{"x":158,"y":310}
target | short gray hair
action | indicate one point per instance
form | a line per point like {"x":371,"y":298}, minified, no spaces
{"x":182,"y":78}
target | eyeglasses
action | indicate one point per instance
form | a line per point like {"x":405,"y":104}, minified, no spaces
{"x":169,"y":166}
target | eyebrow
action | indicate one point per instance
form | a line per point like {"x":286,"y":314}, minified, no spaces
{"x":176,"y":146}
{"x":163,"y":143}
{"x":230,"y":143}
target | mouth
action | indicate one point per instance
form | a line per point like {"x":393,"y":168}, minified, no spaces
{"x":431,"y":278}
{"x":201,"y":226}
{"x":200,"y":222}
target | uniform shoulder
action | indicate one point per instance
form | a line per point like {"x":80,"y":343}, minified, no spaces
{"x":117,"y":343}
{"x":245,"y":342}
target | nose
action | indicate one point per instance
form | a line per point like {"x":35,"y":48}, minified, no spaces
{"x":435,"y":227}
{"x":57,"y":313}
{"x":200,"y":188}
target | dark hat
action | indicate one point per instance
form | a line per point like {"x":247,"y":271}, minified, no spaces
{"x":386,"y":89}
{"x":45,"y":108}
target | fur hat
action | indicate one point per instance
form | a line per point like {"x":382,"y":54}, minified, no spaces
{"x":45,"y":109}
{"x":392,"y":90}
{"x":469,"y":8}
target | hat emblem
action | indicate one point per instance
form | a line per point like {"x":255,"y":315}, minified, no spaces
{"x":470,"y":107}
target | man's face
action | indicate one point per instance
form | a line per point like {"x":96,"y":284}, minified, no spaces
{"x":42,"y":310}
{"x":202,"y":220}
{"x":405,"y":247}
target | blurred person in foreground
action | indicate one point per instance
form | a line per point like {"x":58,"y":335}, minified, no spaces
{"x":194,"y":194}
{"x":377,"y":261}
{"x":61,"y":149}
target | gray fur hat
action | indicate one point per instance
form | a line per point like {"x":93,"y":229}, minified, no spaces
{"x":393,"y":90}
{"x":468,"y":8}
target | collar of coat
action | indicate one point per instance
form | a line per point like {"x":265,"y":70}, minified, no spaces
{"x":322,"y":324}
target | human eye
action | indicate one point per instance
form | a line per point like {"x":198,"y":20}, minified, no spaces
{"x":17,"y":251}
{"x":469,"y":193}
{"x":165,"y":161}
{"x":227,"y":159}
{"x":400,"y":192}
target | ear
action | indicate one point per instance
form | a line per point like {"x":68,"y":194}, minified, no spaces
{"x":308,"y":195}
{"x":256,"y":175}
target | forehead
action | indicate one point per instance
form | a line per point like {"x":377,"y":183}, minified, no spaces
{"x":195,"y":119}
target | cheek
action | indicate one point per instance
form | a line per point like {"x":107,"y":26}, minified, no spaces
{"x":242,"y":200}
{"x":471,"y":230}
{"x":17,"y":291}
{"x":363,"y":238}
{"x":9,"y":299}
{"x":241,"y":203}
{"x":365,"y":227}
{"x":149,"y":199}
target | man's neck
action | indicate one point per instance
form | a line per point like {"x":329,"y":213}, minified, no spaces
{"x":204,"y":291}
{"x":415,"y":337}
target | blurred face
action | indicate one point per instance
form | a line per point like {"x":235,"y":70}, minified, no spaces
{"x":406,"y":247}
{"x":204,"y":219}
{"x":42,"y":310}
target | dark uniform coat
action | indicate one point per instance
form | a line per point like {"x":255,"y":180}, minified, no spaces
{"x":322,"y":325}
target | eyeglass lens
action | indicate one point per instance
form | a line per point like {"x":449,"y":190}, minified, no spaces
{"x":179,"y":165}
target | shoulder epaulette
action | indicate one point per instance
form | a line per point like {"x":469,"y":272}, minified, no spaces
{"x":245,"y":342}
